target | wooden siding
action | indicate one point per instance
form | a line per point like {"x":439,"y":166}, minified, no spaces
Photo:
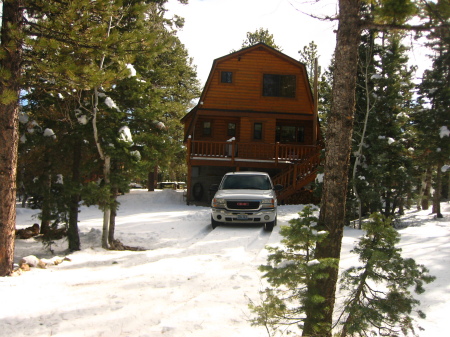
{"x":242,"y":102}
{"x":245,"y":93}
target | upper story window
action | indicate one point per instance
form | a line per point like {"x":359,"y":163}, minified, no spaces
{"x":279,"y":85}
{"x":257,"y":131}
{"x":226,"y":77}
{"x":206,"y":128}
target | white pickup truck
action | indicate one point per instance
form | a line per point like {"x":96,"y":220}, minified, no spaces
{"x":245,"y":197}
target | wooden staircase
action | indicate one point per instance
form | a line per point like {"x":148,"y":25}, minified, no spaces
{"x":297,"y":176}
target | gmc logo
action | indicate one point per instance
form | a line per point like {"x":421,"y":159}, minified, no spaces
{"x":242,"y":203}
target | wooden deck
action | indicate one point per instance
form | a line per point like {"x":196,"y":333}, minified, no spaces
{"x":259,"y":154}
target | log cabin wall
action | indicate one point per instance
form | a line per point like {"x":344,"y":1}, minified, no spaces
{"x":234,"y":106}
{"x":244,"y":93}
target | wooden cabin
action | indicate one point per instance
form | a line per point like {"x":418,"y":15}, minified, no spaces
{"x":256,"y":112}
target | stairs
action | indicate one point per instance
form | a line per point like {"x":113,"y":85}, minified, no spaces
{"x":297,"y":176}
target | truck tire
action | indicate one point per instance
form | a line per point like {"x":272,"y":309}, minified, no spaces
{"x":214,"y":223}
{"x":268,"y":226}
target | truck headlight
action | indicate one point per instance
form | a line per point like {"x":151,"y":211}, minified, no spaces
{"x":268,"y":203}
{"x":218,"y":203}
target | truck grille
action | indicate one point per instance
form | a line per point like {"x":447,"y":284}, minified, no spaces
{"x":243,"y":204}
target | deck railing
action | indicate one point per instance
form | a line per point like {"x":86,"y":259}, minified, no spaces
{"x":274,"y":152}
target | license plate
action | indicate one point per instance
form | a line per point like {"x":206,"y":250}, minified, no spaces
{"x":242,"y":217}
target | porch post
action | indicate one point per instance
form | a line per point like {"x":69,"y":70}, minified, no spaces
{"x":189,"y":172}
{"x":277,"y":152}
{"x":233,"y":150}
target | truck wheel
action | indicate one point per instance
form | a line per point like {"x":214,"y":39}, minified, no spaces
{"x":268,"y":226}
{"x":214,"y":223}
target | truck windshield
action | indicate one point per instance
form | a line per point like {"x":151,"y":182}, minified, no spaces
{"x":246,"y":182}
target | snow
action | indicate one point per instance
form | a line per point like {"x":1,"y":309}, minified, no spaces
{"x":132,"y":70}
{"x":111,"y":104}
{"x":313,"y":262}
{"x":125,"y":134}
{"x":49,"y":133}
{"x":444,"y":132}
{"x":190,"y":281}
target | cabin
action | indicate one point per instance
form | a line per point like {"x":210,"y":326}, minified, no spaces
{"x":257,"y":112}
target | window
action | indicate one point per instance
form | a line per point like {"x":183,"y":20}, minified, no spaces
{"x":226,"y":77}
{"x":231,"y":132}
{"x":279,"y":85}
{"x":290,"y":134}
{"x":206,"y":128}
{"x":257,"y":131}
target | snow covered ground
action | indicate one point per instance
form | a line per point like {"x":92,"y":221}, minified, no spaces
{"x":190,"y":280}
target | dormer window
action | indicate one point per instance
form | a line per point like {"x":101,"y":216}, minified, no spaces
{"x":226,"y":77}
{"x":279,"y":85}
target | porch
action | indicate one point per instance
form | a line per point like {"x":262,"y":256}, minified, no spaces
{"x":234,"y":153}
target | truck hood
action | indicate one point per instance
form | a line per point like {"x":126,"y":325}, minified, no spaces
{"x":245,"y":194}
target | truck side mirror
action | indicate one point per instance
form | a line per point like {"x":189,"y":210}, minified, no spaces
{"x":214,"y":188}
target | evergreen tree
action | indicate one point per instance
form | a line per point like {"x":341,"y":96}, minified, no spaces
{"x":52,"y":128}
{"x":155,"y":103}
{"x":292,"y":272}
{"x":308,"y":56}
{"x":338,"y":143}
{"x":432,"y":119}
{"x":376,"y":294}
{"x":88,"y":61}
{"x":383,"y":176}
{"x":385,"y":309}
{"x":260,"y":35}
{"x":364,"y":108}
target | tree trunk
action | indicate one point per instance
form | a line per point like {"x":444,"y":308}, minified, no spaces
{"x":10,"y":62}
{"x":437,"y":192}
{"x":337,"y":157}
{"x":107,"y":210}
{"x":152,"y":178}
{"x":72,"y":233}
{"x":46,"y":202}
{"x":112,"y":219}
{"x":426,"y":193}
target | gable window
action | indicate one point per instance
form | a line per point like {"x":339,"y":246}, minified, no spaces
{"x":279,"y":85}
{"x":257,"y":131}
{"x":231,"y":131}
{"x":206,"y":128}
{"x":226,"y":77}
{"x":290,"y":134}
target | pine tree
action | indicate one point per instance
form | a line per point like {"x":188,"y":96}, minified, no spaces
{"x":308,"y":55}
{"x":378,"y":297}
{"x":432,"y":119}
{"x":384,"y":174}
{"x":87,"y":60}
{"x":260,"y":35}
{"x":292,"y":272}
{"x":364,"y":106}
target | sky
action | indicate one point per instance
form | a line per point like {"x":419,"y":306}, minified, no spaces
{"x":190,"y":281}
{"x":213,"y":28}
